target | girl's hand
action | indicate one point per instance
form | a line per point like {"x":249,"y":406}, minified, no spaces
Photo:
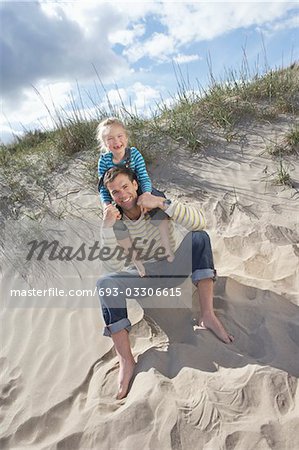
{"x":143,"y":197}
{"x":148,"y":201}
{"x":110,"y":216}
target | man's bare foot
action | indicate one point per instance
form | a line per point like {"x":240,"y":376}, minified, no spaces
{"x":140,"y":267}
{"x":126,"y":370}
{"x":212,"y":323}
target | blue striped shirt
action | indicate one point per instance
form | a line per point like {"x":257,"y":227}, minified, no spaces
{"x":137,"y":164}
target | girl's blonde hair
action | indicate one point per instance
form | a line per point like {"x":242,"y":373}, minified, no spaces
{"x":101,"y":128}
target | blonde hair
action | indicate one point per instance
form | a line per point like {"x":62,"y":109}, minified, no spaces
{"x":103,"y":125}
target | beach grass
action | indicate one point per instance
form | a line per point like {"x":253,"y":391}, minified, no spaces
{"x":190,"y":119}
{"x":283,"y":176}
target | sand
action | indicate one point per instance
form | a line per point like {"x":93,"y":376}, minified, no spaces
{"x":59,"y":374}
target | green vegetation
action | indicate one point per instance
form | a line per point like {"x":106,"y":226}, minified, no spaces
{"x":292,"y":139}
{"x":283,"y":176}
{"x":289,"y":144}
{"x":191,"y":119}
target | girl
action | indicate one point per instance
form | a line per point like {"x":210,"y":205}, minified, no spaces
{"x":113,"y":139}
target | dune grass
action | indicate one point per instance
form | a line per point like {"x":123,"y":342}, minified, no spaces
{"x":283,"y":176}
{"x":189,"y":119}
{"x":288,"y":144}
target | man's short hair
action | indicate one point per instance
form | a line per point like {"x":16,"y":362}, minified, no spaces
{"x":112,"y":173}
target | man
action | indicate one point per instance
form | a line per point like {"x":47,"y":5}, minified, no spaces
{"x":193,"y":254}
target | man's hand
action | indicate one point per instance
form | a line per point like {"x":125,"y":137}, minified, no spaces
{"x":110,"y":216}
{"x":148,"y":201}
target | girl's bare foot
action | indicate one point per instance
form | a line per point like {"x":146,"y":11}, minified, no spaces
{"x":140,"y":267}
{"x":126,"y":370}
{"x":211,"y":322}
{"x":170,"y":256}
{"x":168,"y":252}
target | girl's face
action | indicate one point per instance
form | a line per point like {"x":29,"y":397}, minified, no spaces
{"x":115,"y":139}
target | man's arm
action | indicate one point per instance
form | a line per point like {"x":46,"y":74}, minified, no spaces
{"x":188,"y":216}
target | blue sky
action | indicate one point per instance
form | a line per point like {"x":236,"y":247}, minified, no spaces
{"x":53,"y":46}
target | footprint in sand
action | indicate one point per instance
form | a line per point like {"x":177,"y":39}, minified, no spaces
{"x":282,"y":388}
{"x":242,"y":440}
{"x":11,"y":382}
{"x":281,"y":235}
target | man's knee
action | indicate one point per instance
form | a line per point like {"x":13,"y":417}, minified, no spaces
{"x":202,"y":257}
{"x":106,"y":281}
{"x":105,"y":288}
{"x":201,"y":239}
{"x":100,"y":282}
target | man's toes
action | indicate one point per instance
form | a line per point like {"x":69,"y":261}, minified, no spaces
{"x":231,"y":337}
{"x":228,"y":339}
{"x":122,"y":392}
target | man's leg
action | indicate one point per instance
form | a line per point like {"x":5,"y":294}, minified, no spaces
{"x":113,"y":290}
{"x":126,"y":361}
{"x":208,"y":317}
{"x":115,"y":315}
{"x":115,"y":310}
{"x":203,"y":273}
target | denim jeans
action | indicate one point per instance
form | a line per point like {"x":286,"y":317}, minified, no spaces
{"x":194,"y":256}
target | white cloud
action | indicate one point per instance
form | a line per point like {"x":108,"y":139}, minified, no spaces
{"x":136,"y":97}
{"x":158,"y":47}
{"x":8,"y":132}
{"x":190,"y":22}
{"x":145,"y":96}
{"x":63,"y":38}
{"x":136,"y":10}
{"x":36,"y":110}
{"x":115,"y":98}
{"x":288,"y":23}
{"x":206,"y":20}
{"x":37,"y":46}
{"x":40,"y":110}
{"x":54,"y":43}
{"x":86,"y":14}
{"x":183,"y":59}
{"x":127,"y":37}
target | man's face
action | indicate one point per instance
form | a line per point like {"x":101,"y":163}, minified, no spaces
{"x":123,"y":191}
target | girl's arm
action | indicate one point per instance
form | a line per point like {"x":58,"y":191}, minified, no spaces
{"x":102,"y":168}
{"x":140,"y":170}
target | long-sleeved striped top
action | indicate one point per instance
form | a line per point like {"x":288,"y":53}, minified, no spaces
{"x":184,"y":218}
{"x":137,"y":164}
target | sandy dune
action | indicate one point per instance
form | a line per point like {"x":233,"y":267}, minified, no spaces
{"x":59,"y":374}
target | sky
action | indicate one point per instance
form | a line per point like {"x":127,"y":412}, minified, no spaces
{"x":57,"y":53}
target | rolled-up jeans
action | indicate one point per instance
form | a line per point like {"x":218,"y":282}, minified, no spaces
{"x":193,"y":257}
